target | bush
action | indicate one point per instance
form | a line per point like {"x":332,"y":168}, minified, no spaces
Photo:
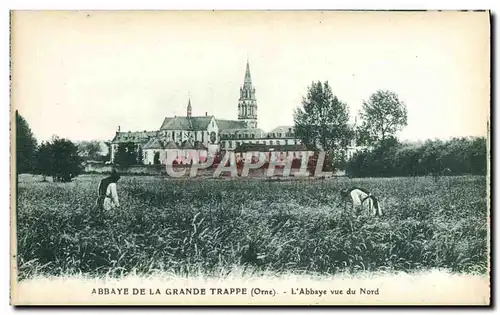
{"x":458,"y":156}
{"x":58,"y":158}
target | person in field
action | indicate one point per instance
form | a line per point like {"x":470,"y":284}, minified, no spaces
{"x":360,"y":198}
{"x":107,"y":198}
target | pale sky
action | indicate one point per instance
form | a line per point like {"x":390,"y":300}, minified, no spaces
{"x":81,"y":74}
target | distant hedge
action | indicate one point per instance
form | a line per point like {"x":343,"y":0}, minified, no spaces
{"x":457,"y":156}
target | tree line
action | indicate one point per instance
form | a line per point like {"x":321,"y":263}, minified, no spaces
{"x":62,"y":159}
{"x":127,"y":154}
{"x":322,"y":123}
{"x":458,"y":156}
{"x":58,"y":158}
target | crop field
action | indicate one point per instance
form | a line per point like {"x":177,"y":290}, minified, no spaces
{"x":186,"y":226}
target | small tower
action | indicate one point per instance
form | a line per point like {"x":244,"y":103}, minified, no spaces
{"x":189,"y":108}
{"x":247,"y":104}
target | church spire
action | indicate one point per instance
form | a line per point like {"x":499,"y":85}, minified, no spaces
{"x":189,"y":108}
{"x":248,"y":77}
{"x":247,"y":104}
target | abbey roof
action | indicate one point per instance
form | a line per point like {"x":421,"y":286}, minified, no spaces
{"x":186,"y":123}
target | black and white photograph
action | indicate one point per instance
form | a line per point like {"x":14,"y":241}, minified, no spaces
{"x":250,"y":157}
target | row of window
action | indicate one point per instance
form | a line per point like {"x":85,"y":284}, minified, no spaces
{"x":274,"y":155}
{"x":179,"y":135}
{"x":252,"y":136}
{"x":196,"y":137}
{"x":229,"y":144}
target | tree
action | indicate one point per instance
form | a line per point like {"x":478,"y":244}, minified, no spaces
{"x":126,"y":154}
{"x":362,"y":135}
{"x":59,"y":158}
{"x":66,"y":161}
{"x":90,"y":150}
{"x":458,"y":156}
{"x":322,"y":121}
{"x":478,"y":156}
{"x":383,"y":115}
{"x":107,"y":156}
{"x":26,"y":146}
{"x":43,"y":164}
{"x":140,"y":156}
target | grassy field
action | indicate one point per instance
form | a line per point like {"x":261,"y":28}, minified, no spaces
{"x":189,"y":226}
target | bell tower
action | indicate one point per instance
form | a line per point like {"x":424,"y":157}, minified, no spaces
{"x":247,"y":104}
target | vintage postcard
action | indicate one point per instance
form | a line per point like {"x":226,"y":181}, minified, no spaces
{"x":250,"y":158}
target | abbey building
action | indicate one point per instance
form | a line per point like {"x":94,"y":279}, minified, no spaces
{"x":195,"y":137}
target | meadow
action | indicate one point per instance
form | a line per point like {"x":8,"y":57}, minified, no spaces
{"x":210,"y":226}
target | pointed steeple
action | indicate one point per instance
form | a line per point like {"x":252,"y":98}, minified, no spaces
{"x":189,"y":108}
{"x":248,"y":77}
{"x":247,"y":104}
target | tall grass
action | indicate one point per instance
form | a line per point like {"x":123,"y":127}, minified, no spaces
{"x":205,"y":226}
